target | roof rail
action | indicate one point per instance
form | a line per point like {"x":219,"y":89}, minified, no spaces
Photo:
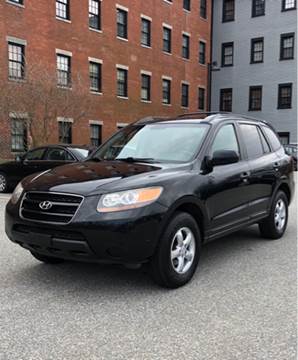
{"x":201,"y":113}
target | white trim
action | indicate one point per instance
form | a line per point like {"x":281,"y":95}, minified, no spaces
{"x":146,"y":47}
{"x":168,"y":2}
{"x":186,"y":33}
{"x":144,"y":72}
{"x":96,"y":122}
{"x":64,"y":119}
{"x":64,"y":20}
{"x":96,"y":30}
{"x":15,"y":4}
{"x":95,"y":60}
{"x":145,"y":17}
{"x":16,"y":40}
{"x":121,"y":124}
{"x":167,"y":26}
{"x":122,"y":97}
{"x":121,"y":7}
{"x":18,"y":115}
{"x":203,"y":40}
{"x":164,"y":77}
{"x":202,"y":87}
{"x":146,"y":101}
{"x":185,"y":82}
{"x":93,"y":92}
{"x":121,"y":38}
{"x":123,"y":67}
{"x":63,"y":52}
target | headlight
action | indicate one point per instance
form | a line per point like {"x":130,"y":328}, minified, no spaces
{"x":130,"y":199}
{"x":18,"y":191}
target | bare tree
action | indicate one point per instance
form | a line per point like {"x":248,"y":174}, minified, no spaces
{"x":39,"y":97}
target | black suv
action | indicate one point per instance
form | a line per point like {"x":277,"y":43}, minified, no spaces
{"x":155,"y":192}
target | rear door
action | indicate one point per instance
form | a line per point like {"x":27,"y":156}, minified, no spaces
{"x":263,"y":167}
{"x":57,"y":156}
{"x":226,"y":195}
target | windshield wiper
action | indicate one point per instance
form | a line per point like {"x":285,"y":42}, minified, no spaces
{"x":131,"y":159}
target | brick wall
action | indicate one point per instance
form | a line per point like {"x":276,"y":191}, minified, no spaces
{"x":36,"y":23}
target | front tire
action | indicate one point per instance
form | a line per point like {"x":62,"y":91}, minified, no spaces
{"x":47,"y":259}
{"x":274,"y":226}
{"x":177,"y":255}
{"x":3,"y":183}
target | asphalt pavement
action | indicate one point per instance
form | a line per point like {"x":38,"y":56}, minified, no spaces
{"x":241,"y":305}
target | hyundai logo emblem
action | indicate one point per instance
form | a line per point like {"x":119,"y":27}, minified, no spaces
{"x":45,"y":205}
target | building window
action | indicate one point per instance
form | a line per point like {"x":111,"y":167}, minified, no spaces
{"x":146,"y":32}
{"x":166,"y":91}
{"x":18,"y":135}
{"x":62,"y":9}
{"x":287,"y":46}
{"x":185,"y":46}
{"x":258,"y":8}
{"x":16,"y":61}
{"x":21,"y":2}
{"x":122,"y":23}
{"x":95,"y":76}
{"x":202,"y":52}
{"x":226,"y":99}
{"x":94,"y":14}
{"x":186,"y":5}
{"x":284,"y":138}
{"x":95,"y":134}
{"x":228,"y":11}
{"x":257,"y":51}
{"x":64,"y":70}
{"x":184,"y":95}
{"x":167,"y":40}
{"x":285,"y":96}
{"x":122,"y":82}
{"x":203,"y":9}
{"x":145,"y":87}
{"x":255,"y":98}
{"x":288,"y":5}
{"x":65,"y":132}
{"x":227,"y":54}
{"x":201,"y":98}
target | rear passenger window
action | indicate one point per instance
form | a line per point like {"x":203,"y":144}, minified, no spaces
{"x":252,"y":141}
{"x":226,"y":139}
{"x":264,"y":142}
{"x":273,"y":139}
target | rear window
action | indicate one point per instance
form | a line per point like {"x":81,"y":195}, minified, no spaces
{"x":252,"y":141}
{"x":273,"y":139}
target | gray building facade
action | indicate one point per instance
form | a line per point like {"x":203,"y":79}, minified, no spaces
{"x":254,"y":61}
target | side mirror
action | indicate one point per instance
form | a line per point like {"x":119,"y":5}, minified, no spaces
{"x":224,"y":157}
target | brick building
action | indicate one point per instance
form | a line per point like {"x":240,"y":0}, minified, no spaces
{"x":136,"y":59}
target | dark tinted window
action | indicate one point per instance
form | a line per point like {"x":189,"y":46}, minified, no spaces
{"x":58,"y":154}
{"x":264,"y":143}
{"x":252,"y":141}
{"x":273,"y":139}
{"x":35,"y":154}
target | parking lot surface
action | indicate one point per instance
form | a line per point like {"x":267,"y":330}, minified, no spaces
{"x":241,"y":304}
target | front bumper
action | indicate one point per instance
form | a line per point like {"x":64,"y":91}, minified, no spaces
{"x":122,"y":237}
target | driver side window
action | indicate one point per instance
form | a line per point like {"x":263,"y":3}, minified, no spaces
{"x":35,"y":155}
{"x":225,"y":139}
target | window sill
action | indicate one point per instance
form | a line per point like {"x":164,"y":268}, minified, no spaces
{"x":186,"y":11}
{"x":185,"y":59}
{"x":96,"y":30}
{"x":164,"y":104}
{"x":204,"y":65}
{"x":291,"y":58}
{"x":168,"y":2}
{"x":21,"y":81}
{"x":15,"y":4}
{"x":122,"y":39}
{"x":122,"y":97}
{"x":285,"y":10}
{"x":146,"y":46}
{"x":284,"y":108}
{"x":167,"y":53}
{"x":256,"y":62}
{"x":93,"y":92}
{"x":63,"y":20}
{"x":146,"y":101}
{"x":64,"y":87}
{"x":185,"y":107}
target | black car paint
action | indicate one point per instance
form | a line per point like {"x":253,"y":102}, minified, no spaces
{"x":17,"y":170}
{"x":222,"y":200}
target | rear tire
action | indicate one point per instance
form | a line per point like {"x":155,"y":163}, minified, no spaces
{"x":274,"y":226}
{"x":47,"y":259}
{"x":3,"y":183}
{"x":178,"y":252}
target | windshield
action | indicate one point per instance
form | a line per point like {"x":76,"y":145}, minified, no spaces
{"x":80,"y":153}
{"x":161,"y":142}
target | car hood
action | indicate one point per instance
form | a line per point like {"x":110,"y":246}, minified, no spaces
{"x":87,"y":178}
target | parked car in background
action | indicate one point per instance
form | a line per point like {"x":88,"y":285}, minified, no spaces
{"x":291,"y":149}
{"x":38,"y":160}
{"x":155,"y":192}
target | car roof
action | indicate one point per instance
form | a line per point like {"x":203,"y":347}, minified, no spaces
{"x":202,"y":117}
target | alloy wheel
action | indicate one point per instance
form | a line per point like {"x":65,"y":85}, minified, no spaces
{"x":280,"y":215}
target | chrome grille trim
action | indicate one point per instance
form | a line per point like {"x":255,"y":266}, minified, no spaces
{"x":68,"y":217}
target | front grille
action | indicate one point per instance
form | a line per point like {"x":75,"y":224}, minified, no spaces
{"x":60,"y":210}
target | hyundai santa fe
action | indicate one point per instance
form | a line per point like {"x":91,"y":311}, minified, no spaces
{"x":155,"y":192}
